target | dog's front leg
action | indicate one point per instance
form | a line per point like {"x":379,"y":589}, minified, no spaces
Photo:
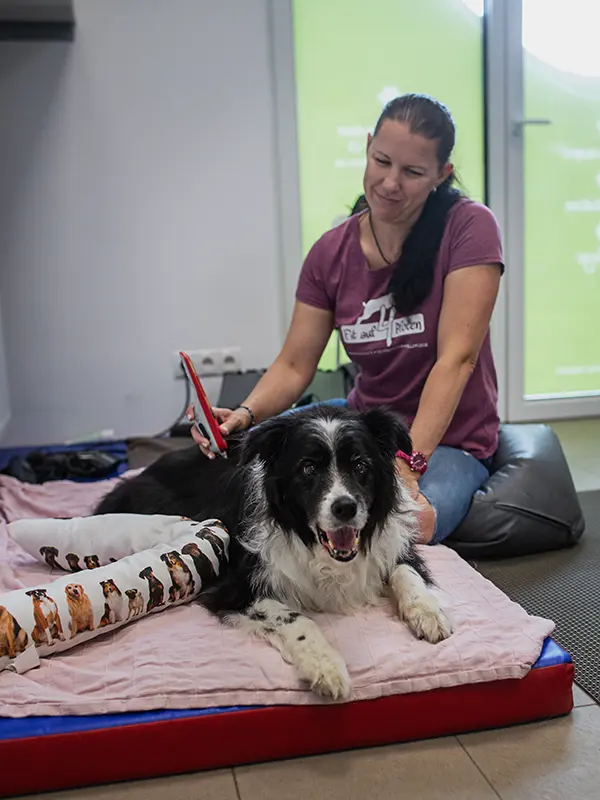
{"x":418,"y":606}
{"x":301,"y":643}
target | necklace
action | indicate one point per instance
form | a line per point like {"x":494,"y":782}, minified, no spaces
{"x":376,"y":240}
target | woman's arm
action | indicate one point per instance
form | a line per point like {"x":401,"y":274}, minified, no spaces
{"x":469,"y":298}
{"x":296,"y":365}
{"x":285,"y":380}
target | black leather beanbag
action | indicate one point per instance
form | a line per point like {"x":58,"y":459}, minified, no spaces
{"x":528,"y":505}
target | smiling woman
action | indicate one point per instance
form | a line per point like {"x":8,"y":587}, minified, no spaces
{"x":410,"y":282}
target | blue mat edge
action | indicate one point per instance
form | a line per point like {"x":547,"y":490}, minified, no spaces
{"x":552,"y":655}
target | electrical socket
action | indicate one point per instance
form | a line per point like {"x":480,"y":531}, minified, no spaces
{"x":232,"y":359}
{"x":210,"y":363}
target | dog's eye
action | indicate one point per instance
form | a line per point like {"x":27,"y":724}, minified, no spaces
{"x":361,"y":467}
{"x":308,"y":468}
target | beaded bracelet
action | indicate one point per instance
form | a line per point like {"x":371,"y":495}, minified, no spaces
{"x":251,"y":413}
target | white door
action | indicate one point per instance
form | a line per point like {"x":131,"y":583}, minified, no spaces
{"x":552,"y":207}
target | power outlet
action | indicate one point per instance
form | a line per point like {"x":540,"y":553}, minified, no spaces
{"x":232,"y":359}
{"x":210,"y":363}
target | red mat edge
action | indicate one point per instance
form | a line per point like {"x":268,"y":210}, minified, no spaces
{"x":174,"y":746}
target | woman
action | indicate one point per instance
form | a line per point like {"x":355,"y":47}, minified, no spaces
{"x":411,"y":284}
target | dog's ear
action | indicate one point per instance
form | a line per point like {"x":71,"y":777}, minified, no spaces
{"x":265,"y":441}
{"x":389,"y":431}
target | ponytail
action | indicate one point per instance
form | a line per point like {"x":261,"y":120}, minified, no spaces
{"x":412,"y":280}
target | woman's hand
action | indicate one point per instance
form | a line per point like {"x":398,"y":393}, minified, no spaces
{"x":425,"y":514}
{"x":229,"y":421}
{"x":409,"y":477}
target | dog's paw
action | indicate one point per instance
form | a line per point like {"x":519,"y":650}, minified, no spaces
{"x":325,"y":671}
{"x":427,"y":620}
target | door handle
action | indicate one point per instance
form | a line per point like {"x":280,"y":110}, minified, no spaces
{"x":519,"y":124}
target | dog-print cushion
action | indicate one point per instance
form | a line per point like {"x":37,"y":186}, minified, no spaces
{"x":55,"y":616}
{"x":80,"y":543}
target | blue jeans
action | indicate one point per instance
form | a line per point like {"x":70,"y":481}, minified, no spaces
{"x":452,"y":478}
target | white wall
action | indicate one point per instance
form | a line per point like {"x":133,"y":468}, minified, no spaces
{"x":137,"y":210}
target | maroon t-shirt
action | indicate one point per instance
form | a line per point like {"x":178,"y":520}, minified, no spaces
{"x":396,"y":353}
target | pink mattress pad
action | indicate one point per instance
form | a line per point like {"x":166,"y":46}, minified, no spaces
{"x":184,"y":658}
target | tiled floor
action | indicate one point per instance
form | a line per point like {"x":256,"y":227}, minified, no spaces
{"x":544,"y":761}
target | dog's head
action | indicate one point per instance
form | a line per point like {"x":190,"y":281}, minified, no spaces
{"x":37,"y":594}
{"x":329,"y":474}
{"x":109,"y":587}
{"x":171,"y":559}
{"x":74,"y":591}
{"x":216,"y":541}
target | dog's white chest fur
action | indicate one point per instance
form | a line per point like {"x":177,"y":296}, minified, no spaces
{"x":113,"y":603}
{"x":329,"y":586}
{"x":181,"y":576}
{"x":308,"y":578}
{"x":47,"y":607}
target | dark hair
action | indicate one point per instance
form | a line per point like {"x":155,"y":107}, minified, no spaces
{"x":412,"y":279}
{"x":359,"y":206}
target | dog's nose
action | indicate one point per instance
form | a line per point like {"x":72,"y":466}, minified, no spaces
{"x":344,"y":508}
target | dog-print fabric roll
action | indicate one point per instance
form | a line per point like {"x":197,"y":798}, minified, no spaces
{"x":55,"y":616}
{"x":73,"y":545}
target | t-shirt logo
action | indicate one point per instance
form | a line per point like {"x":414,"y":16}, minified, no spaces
{"x":378,"y":323}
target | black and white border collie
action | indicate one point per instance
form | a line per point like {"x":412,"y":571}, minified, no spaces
{"x":319,"y":521}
